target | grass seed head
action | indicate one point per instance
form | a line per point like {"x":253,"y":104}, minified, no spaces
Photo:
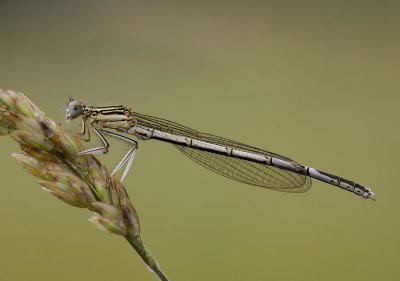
{"x":50,"y":154}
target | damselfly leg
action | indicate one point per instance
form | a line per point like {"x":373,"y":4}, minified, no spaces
{"x":95,"y":150}
{"x":128,"y":157}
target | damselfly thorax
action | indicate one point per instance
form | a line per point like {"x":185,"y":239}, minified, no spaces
{"x":119,"y":117}
{"x":223,"y":156}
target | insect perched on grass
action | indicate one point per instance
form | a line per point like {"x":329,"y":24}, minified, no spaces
{"x":226,"y":157}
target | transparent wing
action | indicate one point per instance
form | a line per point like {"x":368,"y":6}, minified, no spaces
{"x":237,"y":169}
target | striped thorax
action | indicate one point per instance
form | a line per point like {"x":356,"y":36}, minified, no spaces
{"x":114,"y":117}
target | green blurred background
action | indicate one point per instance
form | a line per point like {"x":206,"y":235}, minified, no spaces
{"x":317,"y":81}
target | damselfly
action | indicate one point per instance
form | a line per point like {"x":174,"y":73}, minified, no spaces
{"x":223,"y":156}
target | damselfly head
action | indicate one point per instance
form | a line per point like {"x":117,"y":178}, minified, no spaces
{"x":75,"y":109}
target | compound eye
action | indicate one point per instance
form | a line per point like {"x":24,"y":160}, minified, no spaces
{"x":74,"y":110}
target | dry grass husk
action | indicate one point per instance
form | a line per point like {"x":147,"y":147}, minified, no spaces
{"x":50,"y":154}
